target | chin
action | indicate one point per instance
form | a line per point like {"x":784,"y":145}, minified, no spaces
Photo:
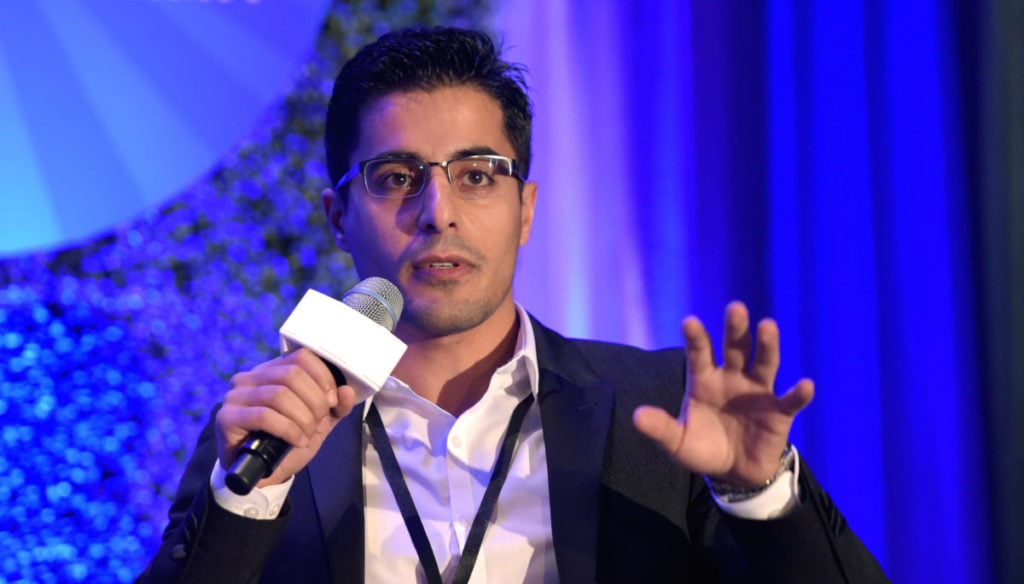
{"x":447,"y":318}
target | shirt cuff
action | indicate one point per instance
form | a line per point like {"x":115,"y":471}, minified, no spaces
{"x":776,"y":501}
{"x":261,"y":503}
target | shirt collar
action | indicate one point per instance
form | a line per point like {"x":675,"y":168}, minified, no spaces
{"x":525,"y":353}
{"x":526,"y":349}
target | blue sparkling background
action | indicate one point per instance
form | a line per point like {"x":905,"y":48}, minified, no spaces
{"x":111,"y":354}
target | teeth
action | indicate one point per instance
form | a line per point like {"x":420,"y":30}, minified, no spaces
{"x":442,"y":265}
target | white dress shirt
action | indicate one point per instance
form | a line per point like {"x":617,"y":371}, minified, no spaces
{"x":447,"y":462}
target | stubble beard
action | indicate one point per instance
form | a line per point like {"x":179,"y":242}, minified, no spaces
{"x":451,"y":316}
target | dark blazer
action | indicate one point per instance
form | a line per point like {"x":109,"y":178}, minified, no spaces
{"x":620,"y":510}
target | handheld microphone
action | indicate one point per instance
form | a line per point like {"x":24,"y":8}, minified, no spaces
{"x":352,"y":337}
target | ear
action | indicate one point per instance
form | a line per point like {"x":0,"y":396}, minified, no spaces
{"x":526,"y":205}
{"x":334,"y":209}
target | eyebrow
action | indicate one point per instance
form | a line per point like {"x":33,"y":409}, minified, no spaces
{"x":475,"y":151}
{"x":409,"y":155}
{"x":400,"y":154}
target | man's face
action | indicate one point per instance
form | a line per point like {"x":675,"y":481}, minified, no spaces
{"x":452,"y":258}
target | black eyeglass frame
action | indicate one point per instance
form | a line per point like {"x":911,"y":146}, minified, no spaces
{"x":359,"y":168}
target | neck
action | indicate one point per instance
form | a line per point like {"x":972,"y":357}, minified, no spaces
{"x":454,"y":371}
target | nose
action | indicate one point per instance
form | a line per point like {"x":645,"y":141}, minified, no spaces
{"x":437,"y":203}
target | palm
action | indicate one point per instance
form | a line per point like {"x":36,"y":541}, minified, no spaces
{"x":731,"y":425}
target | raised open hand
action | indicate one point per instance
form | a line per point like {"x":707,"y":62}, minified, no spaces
{"x":731,"y":427}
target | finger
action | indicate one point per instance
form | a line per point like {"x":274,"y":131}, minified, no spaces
{"x":797,"y":398}
{"x":658,"y":425}
{"x":271,"y":371}
{"x":700,"y":356}
{"x":317,"y":369}
{"x":302,"y":357}
{"x":240,"y":422}
{"x":314,"y":365}
{"x":307,"y":375}
{"x":281,"y":399}
{"x":287,"y":386}
{"x":766,"y":355}
{"x":736,"y":343}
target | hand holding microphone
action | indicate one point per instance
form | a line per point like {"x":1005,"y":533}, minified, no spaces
{"x":275,"y":418}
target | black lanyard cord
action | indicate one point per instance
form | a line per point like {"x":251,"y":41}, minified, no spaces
{"x":413,"y":523}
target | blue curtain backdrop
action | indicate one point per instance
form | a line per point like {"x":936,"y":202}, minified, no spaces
{"x":808,"y":158}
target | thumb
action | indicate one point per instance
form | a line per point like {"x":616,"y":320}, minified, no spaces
{"x":342,"y":401}
{"x":658,"y":425}
{"x":346,"y":399}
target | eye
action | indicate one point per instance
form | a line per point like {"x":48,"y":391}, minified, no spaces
{"x":477,"y":178}
{"x":474,"y":174}
{"x":393,"y":178}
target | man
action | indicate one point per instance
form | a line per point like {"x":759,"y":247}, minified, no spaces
{"x":428,"y":145}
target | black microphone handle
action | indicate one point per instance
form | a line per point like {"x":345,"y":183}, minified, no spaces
{"x":260,"y":454}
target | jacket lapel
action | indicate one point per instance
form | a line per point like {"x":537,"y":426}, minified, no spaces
{"x":576,"y":410}
{"x":337,"y":484}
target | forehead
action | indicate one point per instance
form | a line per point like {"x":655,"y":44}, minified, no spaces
{"x":433,"y":125}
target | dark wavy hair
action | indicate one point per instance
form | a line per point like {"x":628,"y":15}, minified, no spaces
{"x":424,"y":59}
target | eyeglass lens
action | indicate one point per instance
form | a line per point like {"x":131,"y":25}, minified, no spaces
{"x":473,"y":177}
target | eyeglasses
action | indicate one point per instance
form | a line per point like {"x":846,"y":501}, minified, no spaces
{"x":474,"y":177}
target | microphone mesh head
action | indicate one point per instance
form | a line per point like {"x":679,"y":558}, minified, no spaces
{"x":378,"y":300}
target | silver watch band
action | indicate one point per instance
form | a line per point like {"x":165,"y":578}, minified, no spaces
{"x":734,"y":494}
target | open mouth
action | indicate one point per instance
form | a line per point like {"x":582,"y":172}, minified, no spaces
{"x":442,"y":265}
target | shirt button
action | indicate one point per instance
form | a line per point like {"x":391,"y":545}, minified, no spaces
{"x":456,"y":441}
{"x":274,"y":510}
{"x":252,"y":512}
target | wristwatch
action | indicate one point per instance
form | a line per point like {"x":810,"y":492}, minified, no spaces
{"x":733,"y":494}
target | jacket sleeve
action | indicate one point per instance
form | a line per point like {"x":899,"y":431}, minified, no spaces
{"x":811,"y":544}
{"x":205,"y":543}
